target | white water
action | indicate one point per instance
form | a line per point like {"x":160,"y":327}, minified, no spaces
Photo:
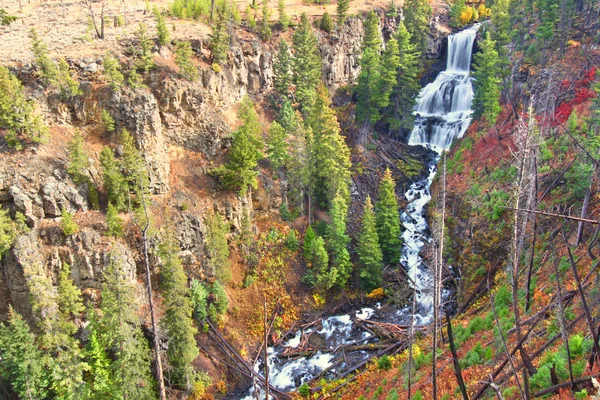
{"x":443,"y":114}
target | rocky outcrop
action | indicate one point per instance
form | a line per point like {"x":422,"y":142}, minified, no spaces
{"x":340,"y":54}
{"x":138,"y":112}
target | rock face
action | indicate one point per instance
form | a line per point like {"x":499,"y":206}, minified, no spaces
{"x":341,"y":54}
{"x":138,"y":112}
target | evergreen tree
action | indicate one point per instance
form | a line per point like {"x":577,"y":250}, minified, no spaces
{"x":17,"y":117}
{"x":133,"y":162}
{"x":416,"y":19}
{"x":47,"y":68}
{"x":122,"y":336}
{"x":326,"y":23}
{"x":108,"y":121}
{"x":112,"y":71}
{"x":399,"y":115}
{"x":337,"y":242}
{"x":219,"y":40}
{"x":277,"y":146}
{"x":284,"y":20}
{"x":144,"y":60}
{"x":307,"y":62}
{"x":371,"y":38}
{"x":342,"y":11}
{"x":387,"y":219}
{"x":456,"y":10}
{"x":162,"y":32}
{"x":67,"y":364}
{"x":367,"y":87}
{"x":309,"y":241}
{"x":319,"y":261}
{"x":390,"y":62}
{"x":78,"y":159}
{"x":298,"y":164}
{"x":265,"y":30}
{"x":99,"y":382}
{"x":199,"y":298}
{"x":329,"y":155}
{"x":68,"y":224}
{"x":68,"y":86}
{"x":246,"y":150}
{"x":486,"y":101}
{"x":22,"y":363}
{"x":369,"y":253}
{"x":177,"y":321}
{"x":8,"y":232}
{"x":282,"y":69}
{"x":114,"y":223}
{"x":217,"y":248}
{"x":183,"y":59}
{"x":114,"y":182}
{"x":501,"y":31}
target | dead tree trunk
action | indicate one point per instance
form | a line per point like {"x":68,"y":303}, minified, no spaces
{"x":457,"y":370}
{"x":563,"y":327}
{"x":144,"y":230}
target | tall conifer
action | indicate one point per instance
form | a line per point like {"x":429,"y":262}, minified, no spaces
{"x":369,"y":253}
{"x":307,"y":62}
{"x":388,"y":219}
{"x":486,"y":101}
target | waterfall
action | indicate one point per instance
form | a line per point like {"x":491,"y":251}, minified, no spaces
{"x":443,"y":114}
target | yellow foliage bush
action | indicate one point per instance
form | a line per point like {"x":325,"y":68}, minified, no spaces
{"x":376,"y":294}
{"x":573,"y":43}
{"x":466,"y":16}
{"x":319,"y":300}
{"x":483,"y":11}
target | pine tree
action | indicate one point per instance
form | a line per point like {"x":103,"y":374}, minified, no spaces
{"x":199,"y":298}
{"x":67,"y":365}
{"x":114,"y":182}
{"x":112,"y":71}
{"x":219,"y":40}
{"x":78,"y":159}
{"x":265,"y":30}
{"x":183,"y":59}
{"x":17,"y":117}
{"x":326,"y":23}
{"x":306,"y":67}
{"x":298,"y":165}
{"x":114,"y":223}
{"x":337,"y":243}
{"x":387,"y":220}
{"x":99,"y":382}
{"x":282,"y":69}
{"x":144,"y":60}
{"x":486,"y":101}
{"x":8,"y":232}
{"x":22,"y":363}
{"x":342,"y":11}
{"x":68,"y":86}
{"x":416,"y":19}
{"x":501,"y":32}
{"x":309,"y":241}
{"x":177,"y":321}
{"x":390,"y":62}
{"x":277,"y":150}
{"x":321,"y":275}
{"x":162,"y":32}
{"x":456,"y":10}
{"x":108,"y":121}
{"x":367,"y":109}
{"x":217,"y":248}
{"x":399,"y":115}
{"x":329,"y":155}
{"x":47,"y":68}
{"x":133,"y":162}
{"x":371,"y":38}
{"x":369,"y":253}
{"x":122,"y":336}
{"x":246,"y":150}
{"x":284,"y":20}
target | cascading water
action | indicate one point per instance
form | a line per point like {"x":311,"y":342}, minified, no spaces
{"x":443,"y":113}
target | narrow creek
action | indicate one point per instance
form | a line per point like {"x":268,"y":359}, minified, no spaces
{"x":443,"y":114}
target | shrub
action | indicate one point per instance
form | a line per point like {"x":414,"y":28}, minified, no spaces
{"x":291,"y":242}
{"x":326,"y":23}
{"x":162,"y":32}
{"x":304,"y":390}
{"x":114,"y":223}
{"x":68,"y":224}
{"x":418,"y":396}
{"x":112,"y":71}
{"x":190,"y":9}
{"x":384,"y":363}
{"x":581,"y":395}
{"x":5,"y":18}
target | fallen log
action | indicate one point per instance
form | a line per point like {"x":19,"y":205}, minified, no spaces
{"x":563,"y":385}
